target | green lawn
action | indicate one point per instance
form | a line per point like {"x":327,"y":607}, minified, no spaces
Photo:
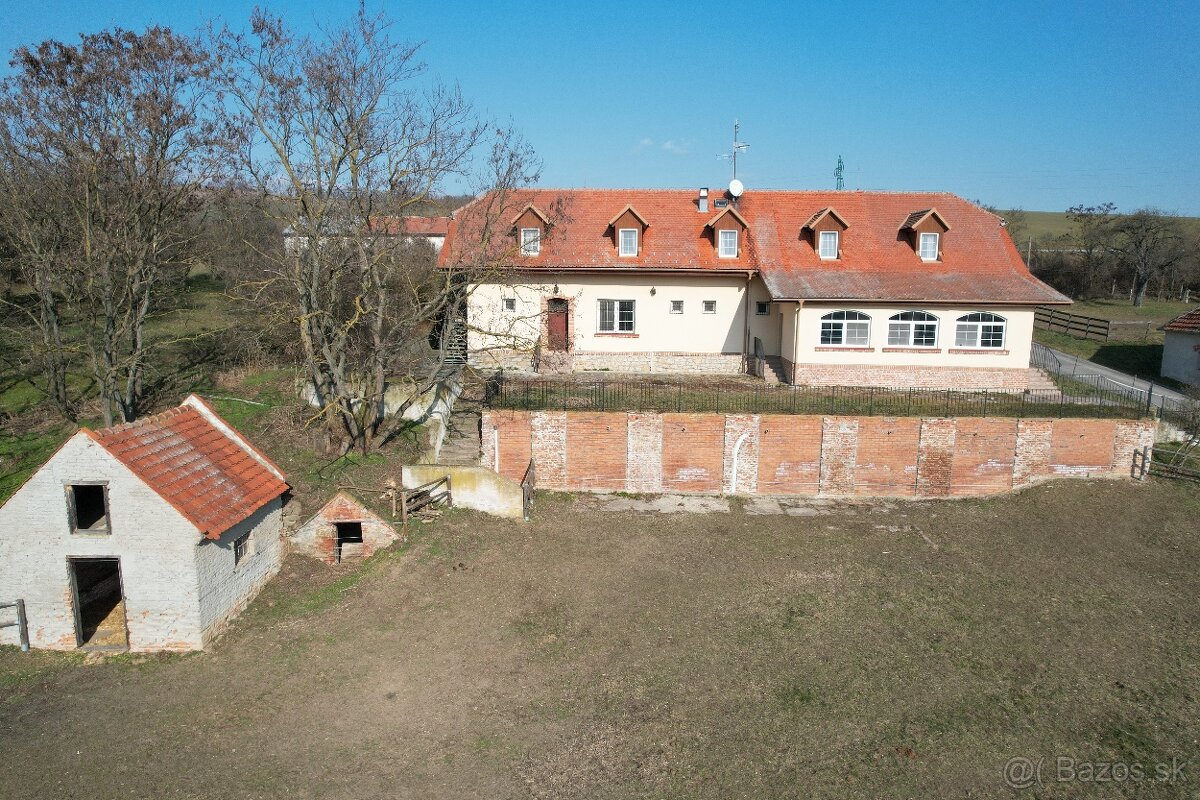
{"x":1142,"y":359}
{"x":1046,"y":225}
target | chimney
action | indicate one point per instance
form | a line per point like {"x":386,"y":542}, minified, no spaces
{"x":702,"y":201}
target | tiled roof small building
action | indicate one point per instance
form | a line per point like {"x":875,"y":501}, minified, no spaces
{"x":146,"y":536}
{"x":342,"y":530}
{"x":1181,"y":348}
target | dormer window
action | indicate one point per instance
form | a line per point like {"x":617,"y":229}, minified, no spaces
{"x":824,"y":232}
{"x":531,"y":241}
{"x":627,"y":228}
{"x":929,"y":246}
{"x":924,"y":231}
{"x":727,"y":246}
{"x":628,"y":238}
{"x":529,"y":226}
{"x":829,"y":244}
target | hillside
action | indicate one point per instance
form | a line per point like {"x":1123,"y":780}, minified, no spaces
{"x":1046,"y":226}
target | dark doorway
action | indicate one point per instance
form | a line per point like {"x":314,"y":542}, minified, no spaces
{"x":99,"y":603}
{"x":556,"y":324}
{"x":349,"y":539}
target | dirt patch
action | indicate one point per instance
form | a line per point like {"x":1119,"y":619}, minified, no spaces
{"x":873,"y":650}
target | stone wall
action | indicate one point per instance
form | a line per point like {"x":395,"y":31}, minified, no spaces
{"x":805,"y":455}
{"x":931,"y":377}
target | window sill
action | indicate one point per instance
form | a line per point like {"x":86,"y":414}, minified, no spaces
{"x":826,"y":348}
{"x":95,"y":534}
{"x":912,"y":349}
{"x":980,"y":351}
{"x":614,"y":335}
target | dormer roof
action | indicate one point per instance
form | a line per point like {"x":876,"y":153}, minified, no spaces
{"x":628,"y":209}
{"x":727,"y":210}
{"x":530,"y":208}
{"x":917,"y":217}
{"x":822,"y":214}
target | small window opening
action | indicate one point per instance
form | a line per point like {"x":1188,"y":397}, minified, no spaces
{"x":89,"y":508}
{"x":241,"y":548}
{"x":710,"y":306}
{"x":762,"y":309}
{"x":510,"y":304}
{"x":676,"y":306}
{"x":349,"y":538}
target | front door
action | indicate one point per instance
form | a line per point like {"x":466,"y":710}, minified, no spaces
{"x":556,"y":324}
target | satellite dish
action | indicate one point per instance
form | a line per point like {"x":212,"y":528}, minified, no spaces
{"x":736,"y":188}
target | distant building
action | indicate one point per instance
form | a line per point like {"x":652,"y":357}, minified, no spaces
{"x":1181,"y":348}
{"x":412,"y":229}
{"x":145,"y":536}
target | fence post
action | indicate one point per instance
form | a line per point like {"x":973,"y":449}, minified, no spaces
{"x":679,"y":397}
{"x":23,"y":626}
{"x":1150,"y":398}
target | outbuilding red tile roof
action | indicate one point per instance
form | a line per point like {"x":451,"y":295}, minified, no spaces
{"x":212,"y":477}
{"x":878,"y":262}
{"x":1188,"y":322}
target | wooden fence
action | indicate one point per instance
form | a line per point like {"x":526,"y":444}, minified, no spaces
{"x":427,"y":494}
{"x":20,"y":622}
{"x":1178,"y":462}
{"x":528,"y":484}
{"x":1083,"y":327}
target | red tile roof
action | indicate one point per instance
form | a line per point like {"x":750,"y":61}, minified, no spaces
{"x":210,"y":476}
{"x":979,"y":262}
{"x":1188,"y":322}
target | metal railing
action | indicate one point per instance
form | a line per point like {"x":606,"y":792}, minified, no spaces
{"x":700,"y":396}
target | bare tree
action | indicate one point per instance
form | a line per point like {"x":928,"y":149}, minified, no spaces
{"x":1148,"y":243}
{"x":1096,"y":242}
{"x":346,"y":139}
{"x":105,"y":147}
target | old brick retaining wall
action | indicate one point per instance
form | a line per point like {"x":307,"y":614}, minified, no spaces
{"x":805,"y":455}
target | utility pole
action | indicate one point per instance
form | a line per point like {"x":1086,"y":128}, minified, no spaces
{"x":837,"y":173}
{"x":1029,"y":254}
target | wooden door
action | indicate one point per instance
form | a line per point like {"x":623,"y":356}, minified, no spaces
{"x":556,"y":324}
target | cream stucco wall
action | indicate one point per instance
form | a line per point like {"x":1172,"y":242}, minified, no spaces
{"x":656,"y":328}
{"x":1015,"y":354}
{"x":1181,"y":357}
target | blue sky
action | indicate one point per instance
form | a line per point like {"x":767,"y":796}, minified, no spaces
{"x":1033,"y":105}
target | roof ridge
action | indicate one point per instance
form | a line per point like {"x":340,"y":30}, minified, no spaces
{"x":143,"y":421}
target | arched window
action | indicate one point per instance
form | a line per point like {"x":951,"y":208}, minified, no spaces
{"x":846,"y":328}
{"x":912,"y":329}
{"x":980,"y":329}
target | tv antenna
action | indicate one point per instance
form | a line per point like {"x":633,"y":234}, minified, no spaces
{"x":737,"y":148}
{"x":837,"y":173}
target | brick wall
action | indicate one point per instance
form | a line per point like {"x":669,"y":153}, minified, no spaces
{"x":805,"y":455}
{"x":657,"y":362}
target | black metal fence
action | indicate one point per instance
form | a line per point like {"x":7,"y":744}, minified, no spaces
{"x":700,"y":396}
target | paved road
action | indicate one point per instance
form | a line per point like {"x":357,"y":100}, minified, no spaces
{"x":1078,"y":367}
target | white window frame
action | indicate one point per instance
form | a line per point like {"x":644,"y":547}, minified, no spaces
{"x":621,"y":242}
{"x":821,"y":244}
{"x":722,"y":252}
{"x":937,"y":246}
{"x":974,"y":325}
{"x":508,"y":305}
{"x":616,"y":316}
{"x":906,"y":322}
{"x":762,"y":308}
{"x":531,"y":246}
{"x":835,"y":325}
{"x":708,"y":307}
{"x":676,"y":307}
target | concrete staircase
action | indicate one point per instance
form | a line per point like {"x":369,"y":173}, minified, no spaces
{"x":461,"y":446}
{"x":774,"y":371}
{"x":1040,"y":381}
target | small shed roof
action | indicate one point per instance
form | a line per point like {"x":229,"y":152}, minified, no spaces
{"x":1188,"y":322}
{"x":196,"y":462}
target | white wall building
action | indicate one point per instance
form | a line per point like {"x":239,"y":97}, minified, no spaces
{"x":146,"y":536}
{"x":1181,"y":348}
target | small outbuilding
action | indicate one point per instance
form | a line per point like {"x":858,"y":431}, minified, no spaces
{"x":146,"y":536}
{"x":342,"y":530}
{"x":1181,"y":348}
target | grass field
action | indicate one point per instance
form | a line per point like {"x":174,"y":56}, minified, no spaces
{"x":1045,"y":226}
{"x":884,"y":650}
